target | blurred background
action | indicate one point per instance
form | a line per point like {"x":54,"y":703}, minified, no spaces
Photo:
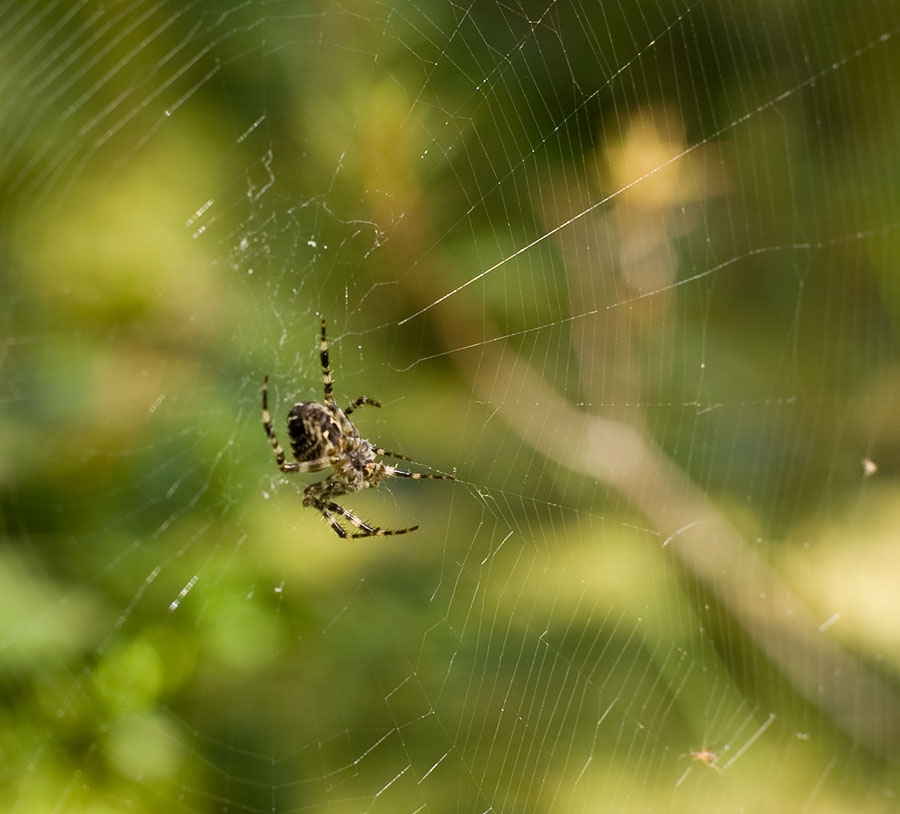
{"x":627,"y":269}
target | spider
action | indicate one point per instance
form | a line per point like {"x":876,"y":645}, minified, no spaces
{"x":707,"y":758}
{"x":322,"y":436}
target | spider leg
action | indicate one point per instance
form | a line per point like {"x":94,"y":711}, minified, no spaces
{"x":327,"y":381}
{"x":359,"y":403}
{"x":328,"y":509}
{"x":326,"y":512}
{"x":386,"y":453}
{"x":365,"y":530}
{"x":393,"y":472}
{"x":267,"y":425}
{"x":386,"y":532}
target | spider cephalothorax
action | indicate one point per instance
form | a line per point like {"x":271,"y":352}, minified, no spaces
{"x":323,"y":437}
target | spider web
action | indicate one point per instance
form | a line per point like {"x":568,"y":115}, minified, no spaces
{"x":626,"y":269}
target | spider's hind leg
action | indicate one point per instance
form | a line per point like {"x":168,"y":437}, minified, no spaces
{"x":377,"y":532}
{"x":328,"y":509}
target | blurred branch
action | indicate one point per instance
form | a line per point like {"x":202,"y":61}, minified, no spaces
{"x":701,"y":538}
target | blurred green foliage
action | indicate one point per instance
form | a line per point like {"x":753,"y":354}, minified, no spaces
{"x":185,"y":188}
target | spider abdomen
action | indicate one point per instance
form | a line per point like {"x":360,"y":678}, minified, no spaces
{"x":313,"y":430}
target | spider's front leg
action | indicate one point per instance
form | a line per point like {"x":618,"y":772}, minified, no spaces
{"x":267,"y":424}
{"x":359,"y":403}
